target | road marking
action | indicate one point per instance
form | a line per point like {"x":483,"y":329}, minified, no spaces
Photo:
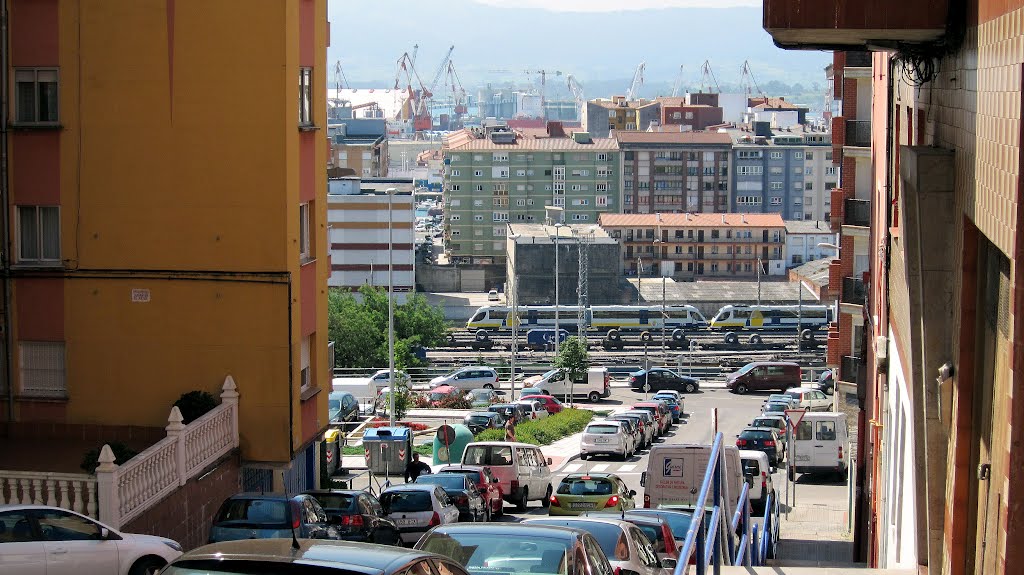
{"x":599,"y":467}
{"x":572,"y":468}
{"x":624,"y":468}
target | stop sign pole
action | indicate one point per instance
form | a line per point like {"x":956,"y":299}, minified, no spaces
{"x":793,"y":416}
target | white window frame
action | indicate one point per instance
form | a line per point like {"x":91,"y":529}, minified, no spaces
{"x":304,"y":243}
{"x":305,"y":96}
{"x":478,"y":173}
{"x":37,"y":215}
{"x":35,"y":116}
{"x":42,"y":380}
{"x":305,"y":374}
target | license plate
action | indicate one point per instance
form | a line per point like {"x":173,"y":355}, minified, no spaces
{"x":601,"y":440}
{"x":582,"y":505}
{"x":407,"y":522}
{"x":803,"y":457}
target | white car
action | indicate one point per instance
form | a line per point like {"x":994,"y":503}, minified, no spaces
{"x":606,"y":437}
{"x":810,"y":399}
{"x":468,"y":378}
{"x":536,"y":408}
{"x":417,"y":508}
{"x":44,"y":540}
{"x":625,"y":545}
{"x":382,"y":378}
{"x":492,"y":295}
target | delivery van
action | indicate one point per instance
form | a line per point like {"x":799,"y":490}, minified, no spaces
{"x":675,"y":473}
{"x":596,"y":384}
{"x":821,"y":444}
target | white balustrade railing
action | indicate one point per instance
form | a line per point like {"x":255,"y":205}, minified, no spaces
{"x":75,"y":491}
{"x":128,"y":490}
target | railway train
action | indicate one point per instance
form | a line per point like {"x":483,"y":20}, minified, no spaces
{"x":600,"y":318}
{"x":772,"y":317}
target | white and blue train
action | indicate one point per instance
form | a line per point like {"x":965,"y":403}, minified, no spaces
{"x":772,"y":317}
{"x":599,"y":318}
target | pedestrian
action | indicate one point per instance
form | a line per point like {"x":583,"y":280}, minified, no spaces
{"x":510,"y":428}
{"x":415,"y":468}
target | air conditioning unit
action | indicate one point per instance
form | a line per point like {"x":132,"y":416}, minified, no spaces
{"x":881,"y":347}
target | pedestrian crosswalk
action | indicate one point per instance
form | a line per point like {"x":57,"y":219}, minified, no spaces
{"x":624,"y":468}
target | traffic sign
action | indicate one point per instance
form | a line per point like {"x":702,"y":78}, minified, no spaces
{"x":795,"y":415}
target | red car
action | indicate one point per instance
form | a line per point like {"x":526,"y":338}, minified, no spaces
{"x":485,"y":482}
{"x":551,"y":404}
{"x":442,"y":392}
{"x":660,"y":411}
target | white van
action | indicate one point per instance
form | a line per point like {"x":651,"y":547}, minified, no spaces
{"x":362,"y":388}
{"x":675,"y":472}
{"x":757,"y":472}
{"x":522,"y":470}
{"x":821,"y":444}
{"x":594,"y":387}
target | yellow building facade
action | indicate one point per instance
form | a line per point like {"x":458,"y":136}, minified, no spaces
{"x":168,"y":222}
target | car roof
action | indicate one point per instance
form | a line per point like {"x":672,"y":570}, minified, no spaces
{"x":452,"y":468}
{"x":614,"y":422}
{"x":411,"y":487}
{"x":478,"y":412}
{"x":754,"y":428}
{"x":753,"y":454}
{"x":516,"y":443}
{"x":267,"y":496}
{"x":315,"y":492}
{"x":570,"y":519}
{"x":521,"y":529}
{"x":342,"y":555}
{"x":771,"y":416}
{"x":597,"y":475}
{"x":644,"y":518}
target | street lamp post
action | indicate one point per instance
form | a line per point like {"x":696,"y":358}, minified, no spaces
{"x":515,"y":318}
{"x":558,"y":332}
{"x":391,"y":309}
{"x":758,"y":280}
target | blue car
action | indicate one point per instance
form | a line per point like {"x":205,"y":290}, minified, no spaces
{"x":271,"y":516}
{"x":673,"y":404}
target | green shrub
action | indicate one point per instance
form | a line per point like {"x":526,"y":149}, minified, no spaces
{"x":544,"y":431}
{"x":122,"y":453}
{"x":194,"y":404}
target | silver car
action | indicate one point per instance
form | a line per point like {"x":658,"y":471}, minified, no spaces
{"x":606,"y":437}
{"x":416,"y":508}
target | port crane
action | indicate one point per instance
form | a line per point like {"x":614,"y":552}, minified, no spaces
{"x":638,"y":80}
{"x":457,"y":95}
{"x":705,"y":74}
{"x":577,"y":94}
{"x":413,"y":98}
{"x":678,"y":85}
{"x":424,"y":103}
{"x":543,"y":84}
{"x":340,"y":82}
{"x":747,"y":80}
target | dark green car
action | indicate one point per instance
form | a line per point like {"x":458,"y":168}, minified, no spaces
{"x":342,"y":406}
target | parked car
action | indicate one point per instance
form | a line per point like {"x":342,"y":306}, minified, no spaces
{"x":382,"y":378}
{"x":674,"y":404}
{"x":342,"y":406}
{"x":606,"y":438}
{"x":776,"y":397}
{"x":827,"y":382}
{"x":623,"y":543}
{"x":659,"y":378}
{"x":478,"y":421}
{"x":776,"y":408}
{"x":492,"y":295}
{"x":818,"y":444}
{"x":655,"y":528}
{"x":462,"y":492}
{"x":441,"y":392}
{"x":811,"y":399}
{"x":357,"y":515}
{"x":518,"y":548}
{"x":764,"y":375}
{"x":757,"y":472}
{"x":507,"y":410}
{"x":646,"y":431}
{"x":486,"y":483}
{"x":535,"y":409}
{"x":263,"y":556}
{"x":41,"y":539}
{"x":484,"y":397}
{"x":762,"y":439}
{"x":678,"y":520}
{"x":469,"y":378}
{"x":776,"y":422}
{"x":651,"y":428}
{"x":530,"y":392}
{"x":594,"y":386}
{"x":415,"y":508}
{"x":270,"y":515}
{"x":551,"y":404}
{"x":579,"y":492}
{"x":660,"y":411}
{"x":523,"y":472}
{"x":632,"y":427}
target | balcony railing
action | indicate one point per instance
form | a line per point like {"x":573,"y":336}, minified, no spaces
{"x":858,"y":133}
{"x":858,"y":59}
{"x":834,"y":24}
{"x":853,"y":291}
{"x":856,"y":212}
{"x":850,"y":369}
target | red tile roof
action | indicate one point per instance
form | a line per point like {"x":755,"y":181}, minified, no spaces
{"x":693,"y":220}
{"x":629,"y":137}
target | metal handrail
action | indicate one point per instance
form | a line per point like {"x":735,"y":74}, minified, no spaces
{"x":697,"y":534}
{"x":742,"y":517}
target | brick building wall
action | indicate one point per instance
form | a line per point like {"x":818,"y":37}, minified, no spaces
{"x":186,"y":515}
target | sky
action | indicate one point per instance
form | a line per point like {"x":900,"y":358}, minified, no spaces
{"x":617,"y":5}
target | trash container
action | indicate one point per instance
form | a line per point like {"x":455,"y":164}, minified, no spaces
{"x":450,"y":443}
{"x":387,"y":449}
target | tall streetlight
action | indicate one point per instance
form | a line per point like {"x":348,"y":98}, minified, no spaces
{"x":558,"y":332}
{"x":657,"y":246}
{"x":391,"y":308}
{"x":515,"y":316}
{"x":758,"y":280}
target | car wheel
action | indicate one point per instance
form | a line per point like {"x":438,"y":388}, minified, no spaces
{"x":594,"y":397}
{"x":488,"y":386}
{"x":584,"y":456}
{"x":547,"y":498}
{"x":488,"y":516}
{"x":691,"y":387}
{"x":741,"y":388}
{"x":647,"y":386}
{"x":523,"y":500}
{"x":147,"y":566}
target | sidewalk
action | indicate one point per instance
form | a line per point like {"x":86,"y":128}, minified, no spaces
{"x":815,"y":534}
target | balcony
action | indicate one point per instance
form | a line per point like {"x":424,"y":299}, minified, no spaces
{"x":853,"y":291}
{"x":853,"y":24}
{"x":856,"y":212}
{"x":857,"y":134}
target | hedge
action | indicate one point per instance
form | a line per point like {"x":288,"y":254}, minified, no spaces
{"x":544,"y":431}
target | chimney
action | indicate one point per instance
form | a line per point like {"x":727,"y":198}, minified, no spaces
{"x":743,"y":218}
{"x":723,"y":218}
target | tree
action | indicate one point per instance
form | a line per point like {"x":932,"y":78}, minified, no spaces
{"x":573,"y":358}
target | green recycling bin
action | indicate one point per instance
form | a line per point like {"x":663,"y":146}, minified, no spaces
{"x":387,"y":449}
{"x":450,"y":442}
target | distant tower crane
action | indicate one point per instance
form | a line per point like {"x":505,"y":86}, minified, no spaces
{"x":679,"y":82}
{"x":415,"y":51}
{"x":458,"y":93}
{"x":577,"y":95}
{"x":340,"y":82}
{"x":413,"y":98}
{"x":638,"y":80}
{"x":747,"y":80}
{"x":705,"y":74}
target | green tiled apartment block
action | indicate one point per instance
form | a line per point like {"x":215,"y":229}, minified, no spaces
{"x":488,"y":185}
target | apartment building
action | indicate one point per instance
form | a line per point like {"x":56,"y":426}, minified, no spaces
{"x":808,"y":241}
{"x":696,"y":111}
{"x":498,"y":176}
{"x":141,"y":271}
{"x":601,"y":116}
{"x":359,"y":145}
{"x":931,"y":182}
{"x":674,"y":171}
{"x":786,"y":173}
{"x":698,"y":246}
{"x":367,"y":229}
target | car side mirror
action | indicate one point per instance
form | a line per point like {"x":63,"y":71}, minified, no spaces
{"x":669,"y":564}
{"x":549,"y":461}
{"x":108,"y":535}
{"x":632,"y":493}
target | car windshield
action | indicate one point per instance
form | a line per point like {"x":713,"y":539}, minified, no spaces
{"x":473,"y":475}
{"x":608,"y":535}
{"x":488,"y":553}
{"x":530,"y":391}
{"x":746,"y":368}
{"x":759,"y":435}
{"x":446,"y":481}
{"x":336,"y":501}
{"x":793,"y":394}
{"x":405,"y":501}
{"x":548,"y":374}
{"x":256,"y":512}
{"x":666,"y":398}
{"x":478,"y":419}
{"x":481,"y":393}
{"x":585,"y":486}
{"x":221,"y":566}
{"x":602,"y":429}
{"x":488,"y":455}
{"x":678,"y":521}
{"x":776,"y":407}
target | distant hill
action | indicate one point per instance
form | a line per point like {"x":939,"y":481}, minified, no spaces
{"x":601,"y":49}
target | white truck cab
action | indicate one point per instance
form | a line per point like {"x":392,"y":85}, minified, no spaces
{"x":821,"y":444}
